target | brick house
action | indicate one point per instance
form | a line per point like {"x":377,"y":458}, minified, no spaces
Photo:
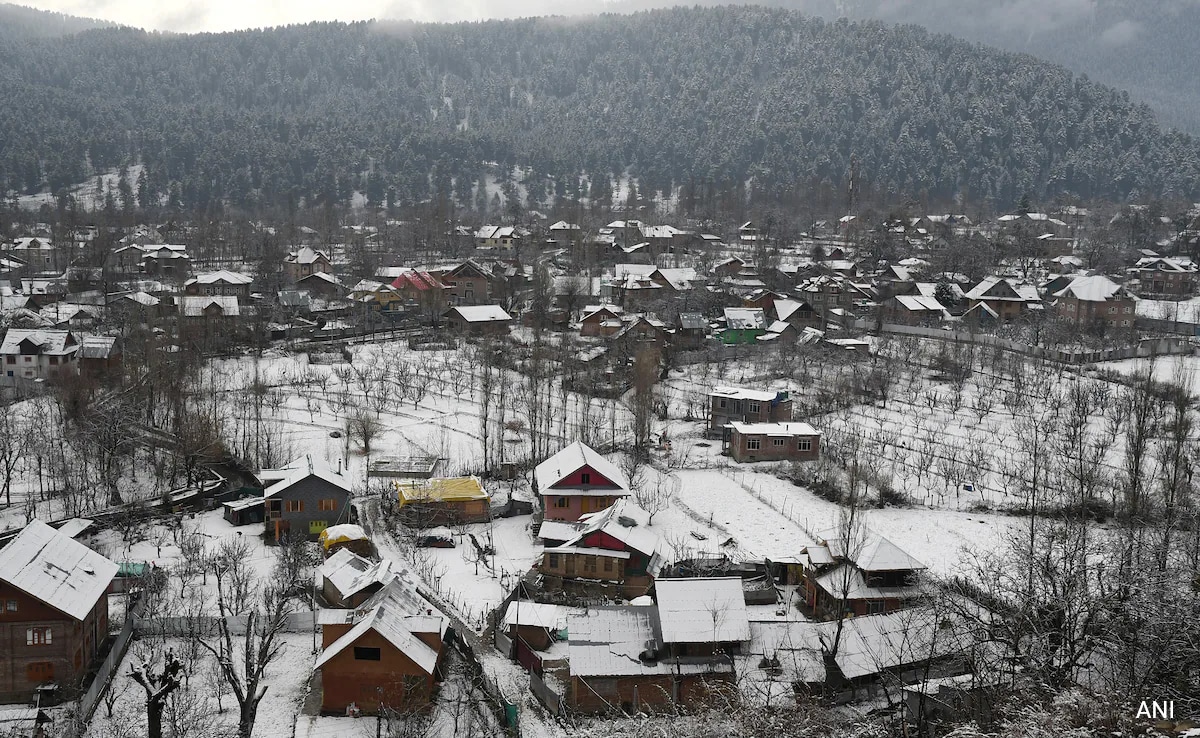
{"x":870,"y":576}
{"x":733,"y":404}
{"x":385,"y":654}
{"x":1163,"y":275}
{"x":306,"y":496}
{"x":468,"y":284}
{"x":222,"y":282}
{"x":772,"y":442}
{"x":1007,"y":298}
{"x":1095,"y":300}
{"x":306,"y":261}
{"x":615,"y":547}
{"x":576,"y":481}
{"x":33,"y":354}
{"x":660,"y":657}
{"x":53,"y":611}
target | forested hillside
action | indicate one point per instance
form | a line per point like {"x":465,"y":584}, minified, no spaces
{"x":686,"y":97}
{"x":18,"y":21}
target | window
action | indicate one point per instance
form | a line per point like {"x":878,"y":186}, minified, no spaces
{"x":295,"y":505}
{"x":754,"y":407}
{"x":778,"y":442}
{"x":39,"y":671}
{"x":38,"y":636}
{"x":608,"y":564}
{"x":10,"y":360}
{"x":12,"y":605}
{"x":804,"y":444}
{"x":585,"y":478}
{"x":753,"y":444}
{"x":1124,"y":323}
{"x":1112,"y":309}
{"x":325,"y":505}
{"x":1128,"y":310}
{"x":362,"y":653}
{"x":316,"y":526}
{"x":720,"y":402}
{"x":561,"y":502}
{"x":876,"y":607}
{"x":53,"y":360}
{"x":552,"y":561}
{"x":589,"y":564}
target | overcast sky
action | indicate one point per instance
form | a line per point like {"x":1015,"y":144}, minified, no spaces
{"x":191,"y":16}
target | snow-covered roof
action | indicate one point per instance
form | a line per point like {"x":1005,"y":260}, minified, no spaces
{"x":737,"y":393}
{"x":97,"y":347}
{"x":350,"y":573}
{"x":391,"y":614}
{"x":481,"y":313}
{"x":702,"y":610}
{"x":307,"y":255}
{"x":1003,"y":288}
{"x":301,"y":469}
{"x":50,"y":343}
{"x":219,"y":276}
{"x":745,"y":318}
{"x":625,"y":522}
{"x":536,"y":614}
{"x":56,"y":569}
{"x":880,"y":554}
{"x":571,"y":458}
{"x":874,"y":643}
{"x":775,"y":429}
{"x":1094,"y":288}
{"x":194,"y":306}
{"x":920,"y":303}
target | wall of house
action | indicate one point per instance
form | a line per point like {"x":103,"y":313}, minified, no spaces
{"x":585,"y":566}
{"x":725,"y":410}
{"x":394,"y":680}
{"x":575,"y":505}
{"x":311,"y":519}
{"x":467,"y":289}
{"x":594,"y":695}
{"x":739,"y":448}
{"x":72,"y":648}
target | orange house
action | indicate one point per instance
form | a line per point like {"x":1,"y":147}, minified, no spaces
{"x":385,"y":654}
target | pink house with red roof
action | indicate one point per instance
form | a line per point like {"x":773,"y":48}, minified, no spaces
{"x":421,"y":289}
{"x":577,"y":481}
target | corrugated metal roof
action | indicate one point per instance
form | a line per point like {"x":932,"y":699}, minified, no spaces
{"x":571,"y":458}
{"x":702,"y":610}
{"x":56,"y":569}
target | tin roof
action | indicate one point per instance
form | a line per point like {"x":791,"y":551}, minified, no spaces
{"x":56,"y":569}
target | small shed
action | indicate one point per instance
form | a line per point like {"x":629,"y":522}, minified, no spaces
{"x":443,"y":501}
{"x":244,"y":511}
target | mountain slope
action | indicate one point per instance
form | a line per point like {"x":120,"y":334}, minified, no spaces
{"x":18,"y":21}
{"x":720,"y":95}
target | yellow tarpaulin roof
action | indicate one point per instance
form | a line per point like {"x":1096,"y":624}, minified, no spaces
{"x":440,"y":489}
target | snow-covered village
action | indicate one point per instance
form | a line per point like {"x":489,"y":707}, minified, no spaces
{"x":617,"y":481}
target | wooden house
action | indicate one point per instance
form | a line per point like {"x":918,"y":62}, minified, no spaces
{"x":601,"y":320}
{"x":384,"y":655}
{"x":868,"y":575}
{"x":442,"y":501}
{"x":576,"y":481}
{"x":1009,"y":299}
{"x":53,"y":611}
{"x":615,"y":548}
{"x":478,"y":320}
{"x":305,"y":497}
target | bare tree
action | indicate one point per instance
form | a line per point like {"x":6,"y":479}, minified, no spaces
{"x":158,"y":686}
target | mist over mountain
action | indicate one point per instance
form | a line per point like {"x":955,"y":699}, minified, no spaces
{"x":18,"y":21}
{"x":1148,"y":47}
{"x":720,"y":97}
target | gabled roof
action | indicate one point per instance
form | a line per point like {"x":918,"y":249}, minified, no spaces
{"x":536,"y":614}
{"x":299,"y":470}
{"x":307,"y":255}
{"x":418,"y":280}
{"x":1094,"y":288}
{"x":350,"y":573}
{"x":920,"y":303}
{"x":571,"y":458}
{"x":745,"y":318}
{"x":481,"y":313}
{"x":222,"y":275}
{"x":390,"y":613}
{"x":50,"y":343}
{"x":194,"y":306}
{"x":1003,"y":288}
{"x":702,"y":610}
{"x":56,"y":569}
{"x":623,"y":521}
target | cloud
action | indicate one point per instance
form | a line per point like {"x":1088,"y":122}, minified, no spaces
{"x":1121,"y":33}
